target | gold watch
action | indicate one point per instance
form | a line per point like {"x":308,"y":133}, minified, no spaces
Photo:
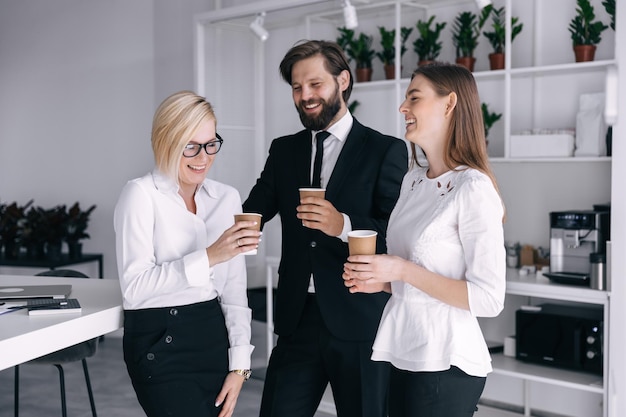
{"x":245,"y":373}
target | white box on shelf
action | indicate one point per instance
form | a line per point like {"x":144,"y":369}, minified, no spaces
{"x":542,"y":146}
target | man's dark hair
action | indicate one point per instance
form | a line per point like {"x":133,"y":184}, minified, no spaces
{"x":335,"y":60}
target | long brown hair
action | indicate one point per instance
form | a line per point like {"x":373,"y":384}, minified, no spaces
{"x":466,"y":144}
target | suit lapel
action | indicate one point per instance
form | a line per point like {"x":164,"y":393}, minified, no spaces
{"x":348,"y":158}
{"x":303,"y":158}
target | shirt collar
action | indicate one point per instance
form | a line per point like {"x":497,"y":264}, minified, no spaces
{"x":341,"y":128}
{"x":166,"y":185}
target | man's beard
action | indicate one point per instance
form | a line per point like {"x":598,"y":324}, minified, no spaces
{"x":329,"y":111}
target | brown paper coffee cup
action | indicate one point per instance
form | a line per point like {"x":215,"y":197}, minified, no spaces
{"x":362,"y":242}
{"x":312,"y":192}
{"x":251,"y":217}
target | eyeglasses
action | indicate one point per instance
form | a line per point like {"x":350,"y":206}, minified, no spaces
{"x":211,"y":148}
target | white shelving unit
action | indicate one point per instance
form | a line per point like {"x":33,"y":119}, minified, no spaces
{"x":535,"y":286}
{"x":532,"y":66}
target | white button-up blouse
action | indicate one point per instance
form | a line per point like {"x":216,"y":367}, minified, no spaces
{"x":161,"y":253}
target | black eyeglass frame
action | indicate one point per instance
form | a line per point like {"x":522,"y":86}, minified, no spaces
{"x":199,"y":147}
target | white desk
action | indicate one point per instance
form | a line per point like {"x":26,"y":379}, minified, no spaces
{"x":24,"y":337}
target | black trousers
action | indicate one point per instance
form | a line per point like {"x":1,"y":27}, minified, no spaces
{"x":302,"y":365}
{"x":450,"y":393}
{"x":177,"y":358}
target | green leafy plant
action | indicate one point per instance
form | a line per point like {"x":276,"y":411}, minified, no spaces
{"x":583,"y":29}
{"x":353,"y":106}
{"x":12,"y":219}
{"x":489,"y":118}
{"x":496,"y":36}
{"x":465,"y":32}
{"x":55,"y":225}
{"x":77,"y":222}
{"x":609,"y":6}
{"x":360,"y":49}
{"x":427,"y":45}
{"x":387,"y":42}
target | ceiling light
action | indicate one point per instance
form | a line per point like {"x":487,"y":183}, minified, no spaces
{"x":257,"y":27}
{"x":482,"y":3}
{"x":349,"y":15}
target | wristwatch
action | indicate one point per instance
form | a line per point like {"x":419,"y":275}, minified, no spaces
{"x":245,"y":373}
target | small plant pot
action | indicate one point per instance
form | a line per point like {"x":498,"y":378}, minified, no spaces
{"x":363,"y":74}
{"x":75,"y":250}
{"x":466,"y":61}
{"x":11,"y":250}
{"x":53,"y":251}
{"x":584,"y":53}
{"x":390,"y":71}
{"x":496,"y":61}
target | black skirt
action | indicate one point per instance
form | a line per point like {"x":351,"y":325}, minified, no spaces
{"x":177,"y":358}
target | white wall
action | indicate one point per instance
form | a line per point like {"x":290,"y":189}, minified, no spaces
{"x":79,"y":83}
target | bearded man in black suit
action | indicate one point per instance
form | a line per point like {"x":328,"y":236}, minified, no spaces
{"x":325,"y":334}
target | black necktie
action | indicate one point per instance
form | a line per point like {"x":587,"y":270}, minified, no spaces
{"x":316,"y":182}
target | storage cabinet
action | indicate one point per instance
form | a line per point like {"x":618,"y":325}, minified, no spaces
{"x":535,"y":289}
{"x":538,"y":89}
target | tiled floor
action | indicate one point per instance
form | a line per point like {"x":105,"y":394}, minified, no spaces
{"x":114,"y":395}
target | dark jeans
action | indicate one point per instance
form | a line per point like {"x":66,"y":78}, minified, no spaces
{"x":177,"y":358}
{"x":303,"y":364}
{"x":450,"y":393}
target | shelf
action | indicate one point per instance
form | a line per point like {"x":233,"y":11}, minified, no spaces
{"x":536,"y":285}
{"x":559,"y":69}
{"x":582,"y":381}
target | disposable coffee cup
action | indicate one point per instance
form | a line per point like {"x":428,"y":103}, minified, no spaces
{"x":312,"y":192}
{"x":362,"y":242}
{"x":250,"y":217}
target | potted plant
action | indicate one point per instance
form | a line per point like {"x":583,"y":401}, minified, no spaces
{"x":427,"y":45}
{"x":33,"y":233}
{"x":585,"y":32}
{"x":465,"y":33}
{"x":489,"y":119}
{"x":11,"y":223}
{"x":388,"y":53}
{"x":609,"y":6}
{"x":359,"y":49}
{"x":496,"y":36}
{"x":55,"y":230}
{"x":76,"y":226}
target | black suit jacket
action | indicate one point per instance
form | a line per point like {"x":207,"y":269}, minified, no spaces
{"x":365,"y":185}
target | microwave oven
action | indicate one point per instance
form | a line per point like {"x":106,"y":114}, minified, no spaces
{"x":560,"y":335}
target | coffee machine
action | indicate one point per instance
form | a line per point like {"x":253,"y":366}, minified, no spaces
{"x":574,"y":236}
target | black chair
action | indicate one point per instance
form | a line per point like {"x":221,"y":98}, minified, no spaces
{"x":78,"y":352}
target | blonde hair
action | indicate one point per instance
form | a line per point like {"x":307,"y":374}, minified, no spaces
{"x":176,"y":121}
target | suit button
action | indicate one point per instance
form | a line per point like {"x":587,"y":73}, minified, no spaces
{"x":173,"y":312}
{"x":150,"y":356}
{"x":168,"y":339}
{"x":313,"y":244}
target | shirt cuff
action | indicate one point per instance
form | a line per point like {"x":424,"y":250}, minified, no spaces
{"x":197,"y":268}
{"x":239,"y":357}
{"x":347,"y":227}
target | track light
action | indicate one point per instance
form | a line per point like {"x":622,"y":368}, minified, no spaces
{"x":482,"y":3}
{"x":349,"y":15}
{"x":257,"y":27}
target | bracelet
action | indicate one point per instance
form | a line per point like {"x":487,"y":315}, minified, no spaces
{"x":245,"y":373}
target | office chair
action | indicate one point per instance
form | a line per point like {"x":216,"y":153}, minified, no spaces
{"x":78,"y":352}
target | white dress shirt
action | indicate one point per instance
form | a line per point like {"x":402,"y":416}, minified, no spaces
{"x":333,"y":145}
{"x":161,"y":253}
{"x":450,"y":225}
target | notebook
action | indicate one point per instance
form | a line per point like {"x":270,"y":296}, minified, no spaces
{"x":42,"y":306}
{"x":34,"y":291}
